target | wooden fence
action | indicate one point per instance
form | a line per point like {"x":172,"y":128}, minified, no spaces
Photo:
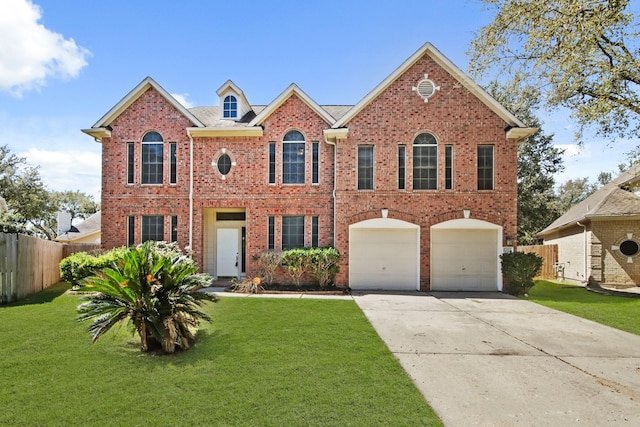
{"x":549,"y":254}
{"x":29,"y":265}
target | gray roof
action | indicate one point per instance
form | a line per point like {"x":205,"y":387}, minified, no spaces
{"x":89,"y":226}
{"x":618,"y":198}
{"x":210,"y":116}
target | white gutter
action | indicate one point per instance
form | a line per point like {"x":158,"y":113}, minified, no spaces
{"x":584,"y":232}
{"x":335,"y":183}
{"x":190,"y":191}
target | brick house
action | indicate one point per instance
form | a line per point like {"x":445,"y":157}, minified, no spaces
{"x":599,"y":238}
{"x":415,"y":185}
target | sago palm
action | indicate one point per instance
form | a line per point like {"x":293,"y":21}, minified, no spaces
{"x":155,"y":288}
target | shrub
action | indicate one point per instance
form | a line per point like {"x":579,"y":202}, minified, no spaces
{"x":81,"y":265}
{"x":248,"y":285}
{"x":295,"y":263}
{"x":156,"y":291}
{"x":519,"y":269}
{"x":268,"y":262}
{"x":322,"y":264}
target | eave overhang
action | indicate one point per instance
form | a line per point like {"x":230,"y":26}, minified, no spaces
{"x":225,"y":132}
{"x":98,"y":133}
{"x":521,"y":133}
{"x":332,"y":136}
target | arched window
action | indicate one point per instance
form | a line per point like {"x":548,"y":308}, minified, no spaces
{"x":230,"y":107}
{"x":293,"y":156}
{"x":152,"y":158}
{"x":425,"y":162}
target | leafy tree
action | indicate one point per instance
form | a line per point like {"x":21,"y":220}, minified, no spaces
{"x":154,"y":288}
{"x":582,"y":54}
{"x":538,"y":161}
{"x":78,"y":204}
{"x":573,"y":191}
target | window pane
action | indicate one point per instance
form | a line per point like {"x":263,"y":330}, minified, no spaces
{"x":365,"y":167}
{"x":272,"y":163}
{"x":448,"y":167}
{"x":224,"y":164}
{"x":230,"y":107}
{"x":315,"y":162}
{"x":485,"y":167}
{"x":271,"y":231}
{"x":152,"y":228}
{"x":174,"y":228}
{"x":152,"y":137}
{"x":314,"y":231}
{"x":131,"y":230}
{"x":172,"y":153}
{"x":292,"y":232}
{"x":425,"y":167}
{"x":152,"y":163}
{"x":402,"y":150}
{"x":293,"y":135}
{"x":130,"y":162}
{"x":293,"y":162}
{"x":425,"y":162}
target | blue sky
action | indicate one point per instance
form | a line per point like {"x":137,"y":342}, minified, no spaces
{"x":63,"y":64}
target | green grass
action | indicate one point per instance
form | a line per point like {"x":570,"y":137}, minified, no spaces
{"x":278,"y":362}
{"x":619,"y":312}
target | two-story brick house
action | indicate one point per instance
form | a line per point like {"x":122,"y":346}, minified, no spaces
{"x":415,"y":185}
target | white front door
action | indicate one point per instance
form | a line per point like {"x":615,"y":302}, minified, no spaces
{"x":227,"y":252}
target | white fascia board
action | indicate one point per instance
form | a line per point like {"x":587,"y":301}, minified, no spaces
{"x":98,"y":133}
{"x":292,"y":89}
{"x":451,"y":68}
{"x":134,"y":94}
{"x":222,"y":132}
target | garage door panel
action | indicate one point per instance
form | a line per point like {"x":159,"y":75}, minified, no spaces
{"x":383,"y":259}
{"x":464,"y":260}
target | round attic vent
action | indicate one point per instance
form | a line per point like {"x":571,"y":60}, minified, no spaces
{"x":426,"y":88}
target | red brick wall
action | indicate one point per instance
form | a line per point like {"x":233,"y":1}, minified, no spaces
{"x":455,"y":117}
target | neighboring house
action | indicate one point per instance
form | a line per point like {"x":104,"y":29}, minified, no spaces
{"x":415,"y":185}
{"x":87,"y":231}
{"x":599,"y":238}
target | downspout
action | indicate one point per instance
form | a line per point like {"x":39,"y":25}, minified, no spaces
{"x":584,"y":232}
{"x":335,"y":183}
{"x":190,"y":191}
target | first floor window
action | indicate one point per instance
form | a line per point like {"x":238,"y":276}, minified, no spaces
{"x":292,"y":232}
{"x":485,"y":167}
{"x":365,"y":167}
{"x":314,"y":232}
{"x":131,"y":230}
{"x":152,"y":228}
{"x":271,"y":233}
{"x":174,"y":228}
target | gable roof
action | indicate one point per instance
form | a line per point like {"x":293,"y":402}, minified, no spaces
{"x":100,"y":128}
{"x":612,"y":200}
{"x":455,"y":72}
{"x":89,"y":226}
{"x":293,"y":89}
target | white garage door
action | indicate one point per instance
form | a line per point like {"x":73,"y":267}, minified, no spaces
{"x":384,"y":258}
{"x":464,"y":260}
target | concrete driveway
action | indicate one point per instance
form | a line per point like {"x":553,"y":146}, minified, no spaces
{"x":493,"y":360}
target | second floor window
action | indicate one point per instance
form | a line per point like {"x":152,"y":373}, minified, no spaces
{"x":152,"y":158}
{"x":425,"y":162}
{"x":485,"y":167}
{"x":365,"y":167}
{"x":293,"y":158}
{"x":230,"y":107}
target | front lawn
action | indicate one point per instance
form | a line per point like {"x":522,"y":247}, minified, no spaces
{"x":261,"y":362}
{"x":619,"y":312}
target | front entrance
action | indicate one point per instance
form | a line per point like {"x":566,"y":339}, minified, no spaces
{"x":228,"y":255}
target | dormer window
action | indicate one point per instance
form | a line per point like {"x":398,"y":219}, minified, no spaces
{"x":230,"y":107}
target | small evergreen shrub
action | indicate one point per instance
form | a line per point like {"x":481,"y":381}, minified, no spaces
{"x":268,"y":262}
{"x":323,"y":264}
{"x":81,"y":265}
{"x":295,"y":263}
{"x":519,"y":269}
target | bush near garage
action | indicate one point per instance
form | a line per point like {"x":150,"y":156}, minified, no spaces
{"x":519,"y":269}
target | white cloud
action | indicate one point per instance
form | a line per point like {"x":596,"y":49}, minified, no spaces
{"x":67,"y":169}
{"x":31,"y":53}
{"x":182,"y":99}
{"x":574,"y":150}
